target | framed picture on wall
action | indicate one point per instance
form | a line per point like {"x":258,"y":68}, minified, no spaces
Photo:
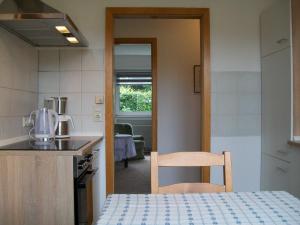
{"x":197,"y":79}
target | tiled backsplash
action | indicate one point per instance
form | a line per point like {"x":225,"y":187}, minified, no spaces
{"x":78,"y":75}
{"x":236,"y":104}
{"x":18,"y":84}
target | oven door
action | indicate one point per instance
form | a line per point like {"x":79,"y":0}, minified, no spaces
{"x":84,"y":198}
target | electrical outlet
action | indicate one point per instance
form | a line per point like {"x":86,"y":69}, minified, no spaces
{"x":97,"y":116}
{"x":26,"y":122}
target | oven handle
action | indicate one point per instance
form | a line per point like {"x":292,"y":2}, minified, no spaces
{"x":89,"y":174}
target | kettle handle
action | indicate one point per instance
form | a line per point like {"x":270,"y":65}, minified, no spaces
{"x":30,"y":116}
{"x":71,"y":119}
{"x":29,"y":134}
{"x":56,"y":119}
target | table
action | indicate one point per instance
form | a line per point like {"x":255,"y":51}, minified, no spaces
{"x":124,"y":148}
{"x":194,"y":209}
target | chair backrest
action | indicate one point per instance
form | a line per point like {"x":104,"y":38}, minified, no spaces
{"x":191,"y":159}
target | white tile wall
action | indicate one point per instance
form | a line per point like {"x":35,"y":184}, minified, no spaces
{"x":70,"y":81}
{"x":227,"y":104}
{"x":18,"y":84}
{"x":249,"y":124}
{"x":88,"y":106}
{"x":74,"y":106}
{"x":78,"y":75}
{"x":49,"y":60}
{"x":48,"y":82}
{"x":70,"y":60}
{"x":249,"y":103}
{"x":236,"y":104}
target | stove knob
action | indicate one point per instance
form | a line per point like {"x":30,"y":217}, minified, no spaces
{"x":81,"y":164}
{"x":80,"y":167}
{"x":89,"y":157}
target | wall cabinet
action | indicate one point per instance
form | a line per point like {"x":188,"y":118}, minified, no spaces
{"x":278,"y":174}
{"x":276,"y":102}
{"x":275,"y":173}
{"x":279,"y":169}
{"x":294,"y":172}
{"x":275,"y":27}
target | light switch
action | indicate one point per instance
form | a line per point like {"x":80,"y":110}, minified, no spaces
{"x":99,"y":99}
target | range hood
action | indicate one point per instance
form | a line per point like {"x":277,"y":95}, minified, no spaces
{"x":39,"y":24}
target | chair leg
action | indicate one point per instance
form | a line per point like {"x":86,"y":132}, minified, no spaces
{"x":126,"y":163}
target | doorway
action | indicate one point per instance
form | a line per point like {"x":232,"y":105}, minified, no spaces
{"x":170,"y":13}
{"x":135,"y":66}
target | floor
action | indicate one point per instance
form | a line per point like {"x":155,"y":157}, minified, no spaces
{"x":135,"y":179}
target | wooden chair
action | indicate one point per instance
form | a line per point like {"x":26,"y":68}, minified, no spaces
{"x":191,"y":159}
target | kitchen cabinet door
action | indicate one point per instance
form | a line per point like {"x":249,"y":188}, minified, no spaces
{"x":294,"y":173}
{"x":275,"y":174}
{"x":276,"y":103}
{"x":276,"y":27}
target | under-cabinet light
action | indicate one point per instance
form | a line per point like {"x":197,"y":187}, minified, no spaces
{"x":72,"y":40}
{"x":62,"y":29}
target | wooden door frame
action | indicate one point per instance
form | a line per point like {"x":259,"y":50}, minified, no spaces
{"x":164,"y":13}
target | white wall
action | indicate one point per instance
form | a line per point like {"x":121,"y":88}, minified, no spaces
{"x":18,"y":84}
{"x":234,"y":37}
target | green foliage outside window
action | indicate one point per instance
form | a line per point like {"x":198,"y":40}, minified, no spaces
{"x":135,"y":98}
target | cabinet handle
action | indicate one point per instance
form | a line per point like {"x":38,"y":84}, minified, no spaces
{"x":282,"y":169}
{"x":282,"y":41}
{"x":283,"y":152}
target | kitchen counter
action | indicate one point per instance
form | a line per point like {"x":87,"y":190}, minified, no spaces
{"x":37,"y":185}
{"x":77,"y":145}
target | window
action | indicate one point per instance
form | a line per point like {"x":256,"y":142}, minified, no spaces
{"x":133,"y":93}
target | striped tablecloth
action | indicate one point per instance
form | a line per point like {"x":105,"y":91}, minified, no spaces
{"x":194,"y":209}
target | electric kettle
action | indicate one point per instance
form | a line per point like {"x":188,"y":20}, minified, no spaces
{"x":45,"y":124}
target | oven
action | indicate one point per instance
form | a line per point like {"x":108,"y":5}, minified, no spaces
{"x":83,"y":189}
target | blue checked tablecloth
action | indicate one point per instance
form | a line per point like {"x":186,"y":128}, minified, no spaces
{"x":194,"y":209}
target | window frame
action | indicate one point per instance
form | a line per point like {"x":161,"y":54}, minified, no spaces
{"x":128,"y":114}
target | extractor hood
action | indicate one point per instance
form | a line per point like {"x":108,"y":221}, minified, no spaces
{"x":39,"y":24}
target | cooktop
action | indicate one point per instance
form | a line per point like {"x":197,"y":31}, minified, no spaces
{"x":57,"y":145}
